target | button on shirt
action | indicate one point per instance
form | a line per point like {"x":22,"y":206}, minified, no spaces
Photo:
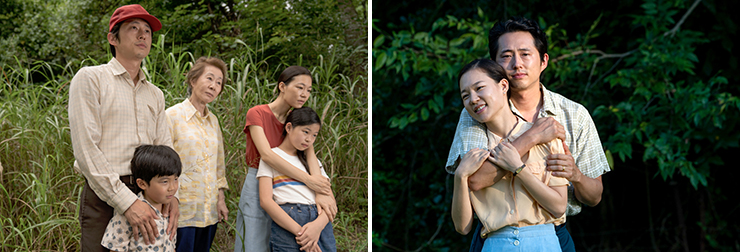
{"x":109,"y":117}
{"x":199,"y":142}
{"x":507,"y":202}
{"x":580,"y":136}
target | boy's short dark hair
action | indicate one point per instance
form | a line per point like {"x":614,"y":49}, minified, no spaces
{"x":150,"y":161}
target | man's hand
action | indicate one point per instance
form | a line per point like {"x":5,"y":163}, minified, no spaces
{"x":141,"y":217}
{"x":309,"y":235}
{"x":563,"y":165}
{"x":504,"y":155}
{"x":326,"y":203}
{"x":173,"y":211}
{"x":546,"y":129}
{"x":223,"y":211}
{"x":318,"y":184}
{"x":586,"y":190}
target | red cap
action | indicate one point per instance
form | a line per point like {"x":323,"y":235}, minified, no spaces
{"x":133,"y":11}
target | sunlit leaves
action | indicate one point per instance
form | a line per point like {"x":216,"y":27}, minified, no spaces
{"x":429,"y":62}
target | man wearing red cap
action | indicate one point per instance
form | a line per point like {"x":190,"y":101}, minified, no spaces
{"x":112,"y":110}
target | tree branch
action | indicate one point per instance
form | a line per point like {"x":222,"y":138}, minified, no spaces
{"x":593,"y":67}
{"x":576,"y":53}
{"x":680,"y":22}
{"x":590,"y":51}
{"x":621,"y":55}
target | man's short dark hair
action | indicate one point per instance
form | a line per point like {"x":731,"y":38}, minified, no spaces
{"x":150,"y":161}
{"x":516,"y":24}
{"x":115,"y":30}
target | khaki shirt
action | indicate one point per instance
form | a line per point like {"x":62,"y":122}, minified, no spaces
{"x":109,"y":117}
{"x":580,"y":136}
{"x":507,"y":202}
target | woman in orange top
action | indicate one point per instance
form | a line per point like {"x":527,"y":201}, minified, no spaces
{"x":518,"y":211}
{"x":264,"y":129}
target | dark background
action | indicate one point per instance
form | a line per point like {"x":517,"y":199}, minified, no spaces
{"x":665,"y":105}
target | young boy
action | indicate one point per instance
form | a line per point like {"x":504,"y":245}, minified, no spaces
{"x":155,"y":169}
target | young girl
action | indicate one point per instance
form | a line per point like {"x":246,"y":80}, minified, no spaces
{"x":291,"y":204}
{"x":519,"y":210}
{"x":264,"y":129}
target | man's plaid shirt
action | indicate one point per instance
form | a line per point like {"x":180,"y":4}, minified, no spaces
{"x":580,"y":136}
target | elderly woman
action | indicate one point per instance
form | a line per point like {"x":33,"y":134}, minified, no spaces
{"x":196,"y":136}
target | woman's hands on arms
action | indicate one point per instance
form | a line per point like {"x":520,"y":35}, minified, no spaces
{"x":326,"y":203}
{"x":471,"y":162}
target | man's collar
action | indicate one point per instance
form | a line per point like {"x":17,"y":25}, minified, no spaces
{"x":118,"y":69}
{"x":547,"y":103}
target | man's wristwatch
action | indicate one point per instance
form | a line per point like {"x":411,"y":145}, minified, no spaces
{"x":518,"y":170}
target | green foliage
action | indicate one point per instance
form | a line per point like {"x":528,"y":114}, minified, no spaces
{"x":663,"y":106}
{"x":634,"y":65}
{"x":38,"y":155}
{"x":53,"y":31}
{"x":46,"y":42}
{"x":32,"y":122}
{"x":433,"y":58}
{"x":282,"y":32}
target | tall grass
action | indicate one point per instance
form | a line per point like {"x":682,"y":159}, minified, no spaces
{"x":39,"y":190}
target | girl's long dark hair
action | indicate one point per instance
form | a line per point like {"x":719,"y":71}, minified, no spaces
{"x":301,"y":117}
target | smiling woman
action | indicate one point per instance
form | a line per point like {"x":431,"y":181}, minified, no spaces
{"x":527,"y":199}
{"x":483,"y":87}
